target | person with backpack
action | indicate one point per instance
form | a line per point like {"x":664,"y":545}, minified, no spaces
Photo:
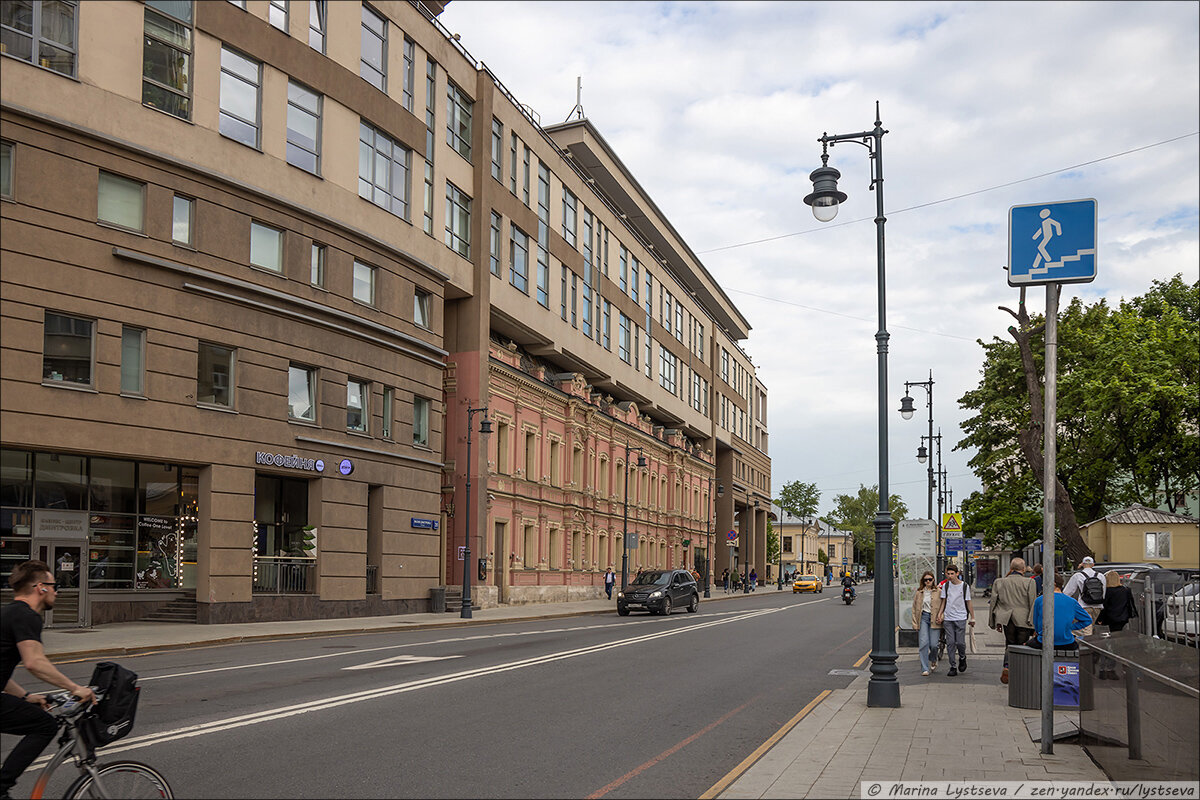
{"x":954,"y":616}
{"x":23,"y":713}
{"x":1087,"y":586}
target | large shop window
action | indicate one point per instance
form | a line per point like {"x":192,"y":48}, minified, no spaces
{"x":141,"y":516}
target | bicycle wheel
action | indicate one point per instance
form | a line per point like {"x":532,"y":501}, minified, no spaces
{"x":125,"y":779}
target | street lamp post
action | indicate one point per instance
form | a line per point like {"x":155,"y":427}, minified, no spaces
{"x":485,"y":427}
{"x":883,"y":690}
{"x":710,"y":523}
{"x":641,"y":462}
{"x":906,"y":411}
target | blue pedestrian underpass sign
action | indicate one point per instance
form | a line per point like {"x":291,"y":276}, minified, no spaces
{"x":1052,"y":243}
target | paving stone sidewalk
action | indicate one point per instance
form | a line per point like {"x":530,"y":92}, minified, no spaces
{"x":947,"y":729}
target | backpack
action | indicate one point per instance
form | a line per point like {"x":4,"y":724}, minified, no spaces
{"x":111,"y":718}
{"x":1093,"y":589}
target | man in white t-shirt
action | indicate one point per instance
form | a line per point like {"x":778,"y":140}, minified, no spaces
{"x":1089,"y":595}
{"x":956,"y":613}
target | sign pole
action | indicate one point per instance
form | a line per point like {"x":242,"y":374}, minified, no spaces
{"x":1050,"y":485}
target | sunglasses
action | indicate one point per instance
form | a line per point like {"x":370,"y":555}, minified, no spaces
{"x":52,"y":584}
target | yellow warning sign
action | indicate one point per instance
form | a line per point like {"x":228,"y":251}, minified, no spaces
{"x":952,"y":523}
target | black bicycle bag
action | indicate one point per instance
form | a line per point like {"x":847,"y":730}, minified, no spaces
{"x":111,"y":718}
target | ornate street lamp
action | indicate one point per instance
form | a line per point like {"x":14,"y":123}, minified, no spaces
{"x":883,"y":690}
{"x":906,"y":411}
{"x":485,"y":427}
{"x":641,"y":462}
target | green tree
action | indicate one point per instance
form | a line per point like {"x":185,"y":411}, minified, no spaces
{"x":856,"y":513}
{"x":1127,"y":410}
{"x":1005,"y":516}
{"x":799,"y":499}
{"x":772,"y":544}
{"x":822,"y":556}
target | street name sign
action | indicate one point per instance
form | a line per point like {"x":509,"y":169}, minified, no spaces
{"x":1052,"y":243}
{"x":973,"y":545}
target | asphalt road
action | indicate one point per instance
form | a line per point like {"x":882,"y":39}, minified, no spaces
{"x":593,"y":706}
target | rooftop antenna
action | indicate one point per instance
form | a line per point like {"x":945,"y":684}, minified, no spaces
{"x":578,"y":109}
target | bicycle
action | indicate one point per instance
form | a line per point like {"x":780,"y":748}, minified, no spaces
{"x":115,"y":779}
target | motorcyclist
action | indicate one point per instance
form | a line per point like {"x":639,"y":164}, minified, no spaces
{"x":848,"y":582}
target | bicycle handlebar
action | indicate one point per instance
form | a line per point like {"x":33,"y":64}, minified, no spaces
{"x":64,"y":704}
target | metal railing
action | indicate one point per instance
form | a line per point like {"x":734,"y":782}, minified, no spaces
{"x":284,"y":575}
{"x":1169,"y":610}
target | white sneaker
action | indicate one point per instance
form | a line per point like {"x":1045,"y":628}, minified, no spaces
{"x":925,"y":673}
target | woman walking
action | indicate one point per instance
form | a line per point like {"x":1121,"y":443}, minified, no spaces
{"x":925,"y":607}
{"x":1118,"y":606}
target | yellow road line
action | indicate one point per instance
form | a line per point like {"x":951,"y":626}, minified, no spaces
{"x":859,"y":663}
{"x":737,"y":771}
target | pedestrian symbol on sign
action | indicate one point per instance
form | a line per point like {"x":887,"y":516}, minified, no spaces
{"x":952,"y":523}
{"x":1052,"y":243}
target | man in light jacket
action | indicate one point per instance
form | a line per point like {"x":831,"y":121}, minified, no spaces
{"x":1076,"y":589}
{"x":1011,"y":608}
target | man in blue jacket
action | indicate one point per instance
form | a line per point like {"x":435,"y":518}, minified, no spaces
{"x":1069,"y":616}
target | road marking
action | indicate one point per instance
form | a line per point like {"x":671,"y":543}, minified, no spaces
{"x":749,"y":760}
{"x":859,"y":663}
{"x":666,"y":753}
{"x":448,"y":640}
{"x":396,"y":661}
{"x":269,"y":715}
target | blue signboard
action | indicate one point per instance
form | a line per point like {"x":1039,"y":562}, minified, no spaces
{"x":953,"y":544}
{"x":973,"y":545}
{"x":1052,"y":243}
{"x":427,"y":524}
{"x":1066,"y":684}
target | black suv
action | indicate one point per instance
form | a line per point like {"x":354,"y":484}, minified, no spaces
{"x":658,"y":591}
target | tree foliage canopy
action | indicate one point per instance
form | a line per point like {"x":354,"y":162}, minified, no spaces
{"x":1128,"y":410}
{"x":799,"y":499}
{"x":856,"y":513}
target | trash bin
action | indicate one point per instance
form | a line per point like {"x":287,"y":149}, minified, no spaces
{"x":1025,"y":677}
{"x":437,"y":599}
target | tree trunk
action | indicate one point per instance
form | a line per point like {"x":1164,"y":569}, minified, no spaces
{"x":1030,"y":437}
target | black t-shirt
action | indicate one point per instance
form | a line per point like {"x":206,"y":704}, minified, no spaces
{"x":18,"y":623}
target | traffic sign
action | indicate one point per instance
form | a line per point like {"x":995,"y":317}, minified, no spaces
{"x":973,"y":545}
{"x":732,"y":537}
{"x":953,"y":544}
{"x":631,"y":541}
{"x":951,"y":523}
{"x":1052,"y":243}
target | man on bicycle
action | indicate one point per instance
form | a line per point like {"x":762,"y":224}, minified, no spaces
{"x":22,"y":712}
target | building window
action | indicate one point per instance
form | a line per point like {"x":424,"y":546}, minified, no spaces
{"x":518,"y":273}
{"x":725,"y":365}
{"x":215,"y":375}
{"x":266,"y":247}
{"x":634,"y":280}
{"x":494,"y":246}
{"x":525,"y":185}
{"x":497,"y":150}
{"x":605,"y":325}
{"x":458,"y":221}
{"x":373,"y":66}
{"x":42,"y":33}
{"x":512,"y":164}
{"x":531,"y":456}
{"x":624,"y":338}
{"x":316,"y":275}
{"x":668,"y":314}
{"x":570,"y":217}
{"x":421,"y":421}
{"x":133,"y":360}
{"x":304,"y":128}
{"x":679,"y":321}
{"x":183,"y":211}
{"x":67,"y":345}
{"x":121,"y":202}
{"x":389,"y":412}
{"x":421,"y":303}
{"x":383,"y":170}
{"x":240,"y":79}
{"x":410,"y":58}
{"x":623,"y":274}
{"x":430,"y":123}
{"x":458,"y":120}
{"x":1158,"y":545}
{"x":277,"y":14}
{"x":357,"y":405}
{"x":302,"y":393}
{"x":6,"y":170}
{"x":364,"y":283}
{"x":502,"y":435}
{"x":699,"y":336}
{"x":167,"y":57}
{"x":667,"y":368}
{"x":543,"y":241}
{"x":317,"y":10}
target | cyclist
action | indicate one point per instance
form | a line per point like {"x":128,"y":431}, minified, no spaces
{"x":21,"y":712}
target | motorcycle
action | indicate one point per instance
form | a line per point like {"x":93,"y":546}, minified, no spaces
{"x":847,"y":595}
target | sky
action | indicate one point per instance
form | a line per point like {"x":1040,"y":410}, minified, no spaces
{"x":716,"y":109}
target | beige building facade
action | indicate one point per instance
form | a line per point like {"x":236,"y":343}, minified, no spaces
{"x":263,"y":261}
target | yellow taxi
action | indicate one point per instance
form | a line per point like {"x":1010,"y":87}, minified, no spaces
{"x":807,"y":583}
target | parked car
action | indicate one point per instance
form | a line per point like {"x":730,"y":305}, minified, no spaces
{"x":659,"y":591}
{"x":807,"y":583}
{"x":1156,"y":584}
{"x":1125,"y":568}
{"x":1182,"y":621}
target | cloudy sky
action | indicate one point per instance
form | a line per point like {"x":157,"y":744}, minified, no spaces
{"x":716,"y":109}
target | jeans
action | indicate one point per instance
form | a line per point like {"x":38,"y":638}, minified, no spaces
{"x":608,"y":587}
{"x":36,"y":725}
{"x":926,"y":643}
{"x":956,"y":637}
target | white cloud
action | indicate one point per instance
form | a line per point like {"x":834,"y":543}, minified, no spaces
{"x":716,"y":108}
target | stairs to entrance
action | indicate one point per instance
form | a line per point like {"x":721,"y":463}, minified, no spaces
{"x":181,"y":609}
{"x":454,"y":600}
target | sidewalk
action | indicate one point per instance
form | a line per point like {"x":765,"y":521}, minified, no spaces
{"x":947,"y":729}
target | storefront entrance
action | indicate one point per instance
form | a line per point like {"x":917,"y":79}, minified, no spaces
{"x":68,"y":561}
{"x":284,"y":545}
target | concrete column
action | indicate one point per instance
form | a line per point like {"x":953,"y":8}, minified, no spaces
{"x":760,"y":542}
